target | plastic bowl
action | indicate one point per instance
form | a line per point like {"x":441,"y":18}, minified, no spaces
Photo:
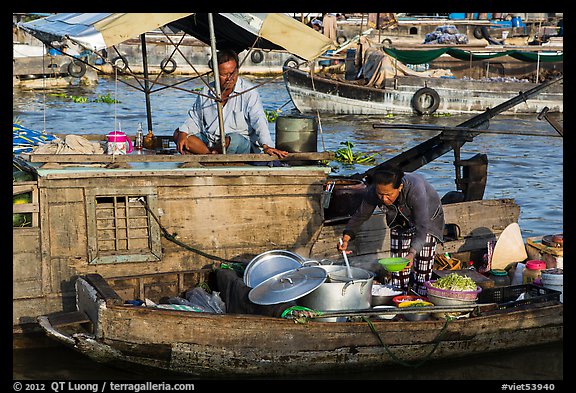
{"x":407,"y":298}
{"x":421,"y":316}
{"x":384,"y":316}
{"x":394,"y":264}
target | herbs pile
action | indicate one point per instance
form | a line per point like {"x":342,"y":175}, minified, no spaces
{"x":455,"y":282}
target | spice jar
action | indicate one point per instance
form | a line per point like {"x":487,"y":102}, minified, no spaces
{"x":532,"y":271}
{"x":500,"y":277}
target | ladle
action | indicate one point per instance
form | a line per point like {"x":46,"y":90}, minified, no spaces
{"x":348,"y":270}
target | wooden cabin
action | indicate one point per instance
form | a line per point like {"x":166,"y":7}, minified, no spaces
{"x":134,"y":215}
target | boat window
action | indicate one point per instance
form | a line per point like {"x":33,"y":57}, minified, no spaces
{"x":121,"y":228}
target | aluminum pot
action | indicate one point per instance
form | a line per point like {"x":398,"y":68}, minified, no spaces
{"x":341,"y":293}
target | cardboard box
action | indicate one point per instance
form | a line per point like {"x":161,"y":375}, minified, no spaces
{"x":553,"y":256}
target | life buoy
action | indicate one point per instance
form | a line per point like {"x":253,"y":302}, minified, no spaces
{"x":425,"y":101}
{"x":291,"y":62}
{"x":257,"y":56}
{"x":120,"y":62}
{"x":170,"y":69}
{"x":76,"y":68}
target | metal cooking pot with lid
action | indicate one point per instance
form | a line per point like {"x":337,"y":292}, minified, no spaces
{"x":341,"y":293}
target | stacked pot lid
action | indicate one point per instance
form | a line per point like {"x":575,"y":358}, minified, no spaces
{"x":269,"y":264}
{"x":288,"y":286}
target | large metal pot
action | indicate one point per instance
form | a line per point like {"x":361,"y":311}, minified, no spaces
{"x":341,"y":293}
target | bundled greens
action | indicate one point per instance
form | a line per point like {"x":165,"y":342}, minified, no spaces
{"x":455,"y":282}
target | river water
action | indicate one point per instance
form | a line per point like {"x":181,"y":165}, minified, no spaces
{"x":528,"y":169}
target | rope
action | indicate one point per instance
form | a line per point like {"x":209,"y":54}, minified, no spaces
{"x":318,"y":114}
{"x":172,"y":237}
{"x":400,"y":361}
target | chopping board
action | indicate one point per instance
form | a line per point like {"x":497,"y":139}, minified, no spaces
{"x":481,"y":280}
{"x":509,"y":248}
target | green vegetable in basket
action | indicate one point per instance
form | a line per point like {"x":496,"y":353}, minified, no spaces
{"x":455,"y":282}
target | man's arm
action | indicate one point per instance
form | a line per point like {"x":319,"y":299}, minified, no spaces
{"x":259,"y":123}
{"x":191,"y":126}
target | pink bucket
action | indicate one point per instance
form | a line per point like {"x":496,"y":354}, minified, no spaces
{"x":118,"y":143}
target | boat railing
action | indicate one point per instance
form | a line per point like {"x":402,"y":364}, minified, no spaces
{"x":185,"y":159}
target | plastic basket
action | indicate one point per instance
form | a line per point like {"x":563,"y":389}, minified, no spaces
{"x":508,"y":296}
{"x":446,"y":293}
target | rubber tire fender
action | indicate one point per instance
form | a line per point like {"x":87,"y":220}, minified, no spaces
{"x":165,"y":62}
{"x":417,"y":104}
{"x":478,"y":33}
{"x":291,"y":62}
{"x":340,"y":39}
{"x":257,"y":56}
{"x":76,"y":68}
{"x":117,"y":60}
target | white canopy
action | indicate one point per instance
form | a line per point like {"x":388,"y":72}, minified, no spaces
{"x":239,"y":31}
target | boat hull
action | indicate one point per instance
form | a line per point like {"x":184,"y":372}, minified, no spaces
{"x":332,"y":96}
{"x":213,"y":345}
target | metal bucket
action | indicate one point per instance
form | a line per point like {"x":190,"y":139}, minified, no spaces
{"x":297,"y":133}
{"x":341,"y":293}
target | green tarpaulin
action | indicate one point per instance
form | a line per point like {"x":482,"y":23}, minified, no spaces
{"x":426,"y":56}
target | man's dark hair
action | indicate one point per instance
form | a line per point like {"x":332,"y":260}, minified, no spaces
{"x":225,"y":55}
{"x":388,"y":175}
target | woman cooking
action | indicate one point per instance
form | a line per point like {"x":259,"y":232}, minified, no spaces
{"x":416,"y":219}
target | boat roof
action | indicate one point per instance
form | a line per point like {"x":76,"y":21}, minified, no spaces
{"x":238,"y":31}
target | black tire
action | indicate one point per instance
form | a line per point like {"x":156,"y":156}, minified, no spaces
{"x":171,"y":68}
{"x":421,"y":98}
{"x":387,"y":42}
{"x":76,"y":68}
{"x":291,"y":62}
{"x":257,"y":56}
{"x":478,"y":33}
{"x":120,"y":63}
{"x":341,"y":39}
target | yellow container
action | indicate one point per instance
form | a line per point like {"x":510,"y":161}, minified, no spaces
{"x":532,"y":271}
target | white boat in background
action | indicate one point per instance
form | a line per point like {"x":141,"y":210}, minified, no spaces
{"x":383,"y":86}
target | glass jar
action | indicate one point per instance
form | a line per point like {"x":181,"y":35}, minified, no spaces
{"x":532,"y":271}
{"x":500,"y":277}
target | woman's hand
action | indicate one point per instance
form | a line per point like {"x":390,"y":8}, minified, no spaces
{"x":342,"y":245}
{"x":410,"y":257}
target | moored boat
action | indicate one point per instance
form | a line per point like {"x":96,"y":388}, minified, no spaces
{"x":150,"y":339}
{"x":384,"y":90}
{"x":152,"y":225}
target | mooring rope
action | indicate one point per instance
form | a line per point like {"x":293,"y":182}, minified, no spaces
{"x":400,"y":361}
{"x":172,"y":237}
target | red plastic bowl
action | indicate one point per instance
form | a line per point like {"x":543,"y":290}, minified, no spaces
{"x":407,"y":298}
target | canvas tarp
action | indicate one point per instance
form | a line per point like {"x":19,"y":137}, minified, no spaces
{"x":378,"y":66}
{"x":239,"y":31}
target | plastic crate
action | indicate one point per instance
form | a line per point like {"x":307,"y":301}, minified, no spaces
{"x":508,"y":296}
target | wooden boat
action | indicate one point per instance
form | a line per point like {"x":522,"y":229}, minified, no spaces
{"x":151,"y":340}
{"x":107,"y":228}
{"x":312,"y":93}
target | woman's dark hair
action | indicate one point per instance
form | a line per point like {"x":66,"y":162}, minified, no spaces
{"x":387,"y":175}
